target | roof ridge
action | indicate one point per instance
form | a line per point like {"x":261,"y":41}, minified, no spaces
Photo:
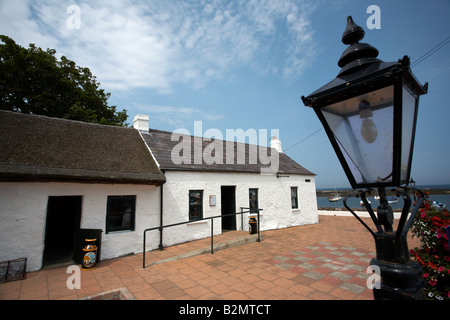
{"x":211,"y":139}
{"x":45,"y":117}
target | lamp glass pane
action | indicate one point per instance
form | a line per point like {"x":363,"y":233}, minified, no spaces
{"x":363,"y":128}
{"x":408,"y":118}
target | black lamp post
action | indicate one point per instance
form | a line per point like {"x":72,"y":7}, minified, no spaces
{"x":369,"y":113}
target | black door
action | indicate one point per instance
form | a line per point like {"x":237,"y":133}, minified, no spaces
{"x":62,"y":226}
{"x":228,"y":202}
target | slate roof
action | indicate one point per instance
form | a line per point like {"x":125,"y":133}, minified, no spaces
{"x":161,"y":145}
{"x":38,"y":148}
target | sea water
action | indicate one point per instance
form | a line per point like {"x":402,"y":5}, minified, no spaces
{"x":354,"y":202}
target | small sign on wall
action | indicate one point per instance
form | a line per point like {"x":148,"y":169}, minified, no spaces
{"x":212,"y":201}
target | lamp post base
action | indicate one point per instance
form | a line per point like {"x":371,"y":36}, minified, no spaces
{"x":399,"y":281}
{"x":400,"y":277}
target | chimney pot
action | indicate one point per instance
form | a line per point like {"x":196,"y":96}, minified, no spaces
{"x":141,"y":122}
{"x":275,"y":143}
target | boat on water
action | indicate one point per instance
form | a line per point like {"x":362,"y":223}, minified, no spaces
{"x":437,"y":205}
{"x":392,"y":199}
{"x":334,"y":198}
{"x":389,"y":199}
{"x":361,"y":203}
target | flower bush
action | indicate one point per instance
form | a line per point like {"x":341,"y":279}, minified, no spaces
{"x":430,"y":227}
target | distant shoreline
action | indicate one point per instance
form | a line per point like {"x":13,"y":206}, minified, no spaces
{"x":332,"y":192}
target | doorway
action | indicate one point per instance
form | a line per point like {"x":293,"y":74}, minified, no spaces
{"x":228,"y":202}
{"x":61,"y":229}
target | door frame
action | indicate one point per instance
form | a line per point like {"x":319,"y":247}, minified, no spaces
{"x":70,"y":207}
{"x":228,"y":203}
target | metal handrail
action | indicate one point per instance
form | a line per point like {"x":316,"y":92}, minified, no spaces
{"x":212,"y":227}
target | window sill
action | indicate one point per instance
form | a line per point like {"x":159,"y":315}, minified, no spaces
{"x":118,"y":232}
{"x":196,"y":222}
{"x":296,"y":210}
{"x":255,"y":214}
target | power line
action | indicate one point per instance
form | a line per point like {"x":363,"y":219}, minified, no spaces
{"x":303,"y":139}
{"x":431,"y":52}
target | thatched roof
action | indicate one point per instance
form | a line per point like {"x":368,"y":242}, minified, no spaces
{"x":161,"y":144}
{"x":38,"y":148}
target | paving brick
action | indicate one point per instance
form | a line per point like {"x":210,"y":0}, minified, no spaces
{"x":221,"y":289}
{"x":264,"y":285}
{"x":197,"y":291}
{"x":342,"y":294}
{"x":318,"y":295}
{"x":314,"y":275}
{"x":298,"y":270}
{"x":331,"y":281}
{"x":355,"y":288}
{"x":322,"y":286}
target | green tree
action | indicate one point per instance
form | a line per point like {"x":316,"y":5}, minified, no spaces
{"x":33,"y":81}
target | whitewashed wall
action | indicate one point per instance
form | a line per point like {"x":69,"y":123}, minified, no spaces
{"x":23,"y":212}
{"x":274,"y":195}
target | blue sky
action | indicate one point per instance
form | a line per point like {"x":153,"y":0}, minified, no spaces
{"x":244,"y":64}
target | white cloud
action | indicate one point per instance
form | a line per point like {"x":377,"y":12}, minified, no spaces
{"x":176,"y":117}
{"x":156,"y":44}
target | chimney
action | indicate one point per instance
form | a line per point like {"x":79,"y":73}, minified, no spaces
{"x":140,"y":122}
{"x":275,"y":143}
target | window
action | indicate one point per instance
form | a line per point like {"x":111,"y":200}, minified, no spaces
{"x":294,"y":198}
{"x":195,"y":205}
{"x":253,"y":200}
{"x":120,"y":213}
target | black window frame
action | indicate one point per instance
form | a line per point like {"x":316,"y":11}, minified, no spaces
{"x":253,"y":203}
{"x":195,"y":205}
{"x":117,"y":206}
{"x":294,"y":197}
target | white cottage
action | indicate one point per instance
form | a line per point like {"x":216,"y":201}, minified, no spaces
{"x":207,"y":177}
{"x":62,"y":181}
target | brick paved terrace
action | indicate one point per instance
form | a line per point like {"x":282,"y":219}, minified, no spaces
{"x":325,"y":261}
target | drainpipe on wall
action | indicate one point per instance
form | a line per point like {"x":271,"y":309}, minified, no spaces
{"x":161,"y":210}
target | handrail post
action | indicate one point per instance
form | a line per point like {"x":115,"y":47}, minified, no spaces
{"x":242,"y":219}
{"x":258,"y":226}
{"x":212,"y":235}
{"x":143,"y":250}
